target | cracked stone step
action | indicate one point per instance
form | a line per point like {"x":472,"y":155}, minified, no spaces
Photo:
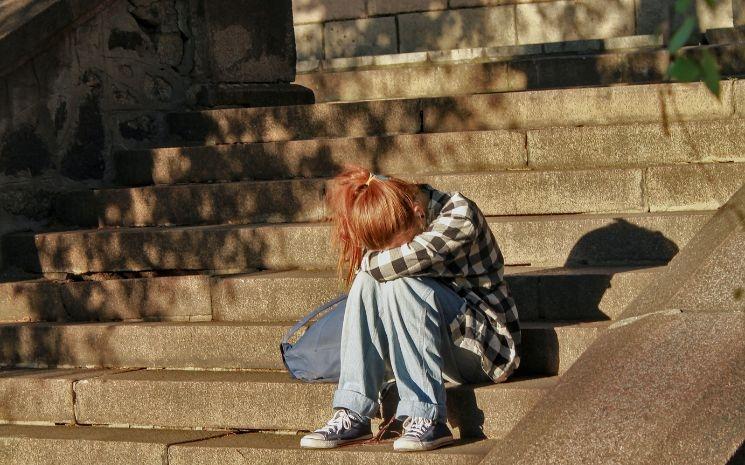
{"x":497,"y":194}
{"x":273,"y":401}
{"x":548,"y":347}
{"x":509,"y":110}
{"x":79,"y":445}
{"x":587,"y":293}
{"x":598,"y":239}
{"x":63,"y":445}
{"x":637,"y":144}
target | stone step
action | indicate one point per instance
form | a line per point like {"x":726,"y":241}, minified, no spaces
{"x":497,"y":194}
{"x":64,"y":445}
{"x":549,"y":347}
{"x":586,"y":293}
{"x":273,"y":401}
{"x":508,"y":110}
{"x":598,"y":239}
{"x":174,"y":298}
{"x":83,"y":445}
{"x":622,"y":60}
{"x":592,"y":146}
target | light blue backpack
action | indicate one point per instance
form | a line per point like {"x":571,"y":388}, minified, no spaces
{"x":315,"y":357}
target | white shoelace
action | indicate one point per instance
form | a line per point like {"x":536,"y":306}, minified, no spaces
{"x":340,"y":420}
{"x":416,"y":426}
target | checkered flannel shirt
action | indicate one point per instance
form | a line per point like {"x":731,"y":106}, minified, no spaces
{"x":459,"y":248}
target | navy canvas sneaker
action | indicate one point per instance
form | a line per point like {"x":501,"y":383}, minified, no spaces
{"x":423,"y":434}
{"x":345,"y":426}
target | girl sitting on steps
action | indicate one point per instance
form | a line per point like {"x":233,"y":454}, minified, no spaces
{"x":427,"y":300}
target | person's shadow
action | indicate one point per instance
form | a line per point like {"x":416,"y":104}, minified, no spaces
{"x":619,"y":244}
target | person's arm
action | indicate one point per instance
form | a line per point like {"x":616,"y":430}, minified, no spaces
{"x":447,"y":236}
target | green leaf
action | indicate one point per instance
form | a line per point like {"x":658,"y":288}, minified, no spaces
{"x":710,"y":72}
{"x":684,"y":69}
{"x":681,"y":6}
{"x":682,"y":34}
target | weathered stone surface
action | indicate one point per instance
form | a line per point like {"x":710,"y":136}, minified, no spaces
{"x":167,"y":298}
{"x":588,"y":191}
{"x":173,"y":345}
{"x":223,"y":345}
{"x":317,"y":11}
{"x":260,"y":95}
{"x":738,"y":11}
{"x":360,"y":37}
{"x":296,"y":122}
{"x":309,"y":41}
{"x":240,"y":400}
{"x":693,"y":187}
{"x":414,"y":153}
{"x":638,"y":144}
{"x":30,"y":301}
{"x":259,"y":47}
{"x":39,"y":395}
{"x":721,"y":15}
{"x":576,"y":107}
{"x":42,"y":445}
{"x":512,"y":110}
{"x":551,"y":294}
{"x":567,"y":20}
{"x":602,"y":239}
{"x":270,"y":449}
{"x":644,"y":370}
{"x":707,"y":276}
{"x":444,"y":30}
{"x":383,"y":7}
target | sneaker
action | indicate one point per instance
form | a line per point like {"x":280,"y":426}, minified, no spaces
{"x":423,"y":434}
{"x":345,"y":426}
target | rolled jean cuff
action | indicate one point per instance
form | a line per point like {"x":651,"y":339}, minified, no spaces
{"x":409,"y":408}
{"x":355,"y":402}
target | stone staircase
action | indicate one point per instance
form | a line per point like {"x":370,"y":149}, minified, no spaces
{"x":148,"y":329}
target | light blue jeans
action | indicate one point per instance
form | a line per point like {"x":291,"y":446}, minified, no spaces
{"x":402,"y":326}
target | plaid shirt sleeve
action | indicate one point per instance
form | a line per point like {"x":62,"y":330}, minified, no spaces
{"x":448,"y":236}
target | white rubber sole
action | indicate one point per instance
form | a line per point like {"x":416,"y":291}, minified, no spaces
{"x":413,"y":446}
{"x":313,"y":443}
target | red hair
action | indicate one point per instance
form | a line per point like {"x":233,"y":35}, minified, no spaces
{"x":367,"y":213}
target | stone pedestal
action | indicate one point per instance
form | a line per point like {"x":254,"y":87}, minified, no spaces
{"x":251,"y":40}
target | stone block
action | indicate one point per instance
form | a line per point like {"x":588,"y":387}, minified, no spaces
{"x":653,"y":17}
{"x":256,"y":448}
{"x":637,"y":144}
{"x":471,"y":3}
{"x":634,"y":42}
{"x":42,"y":445}
{"x":590,"y":106}
{"x":386,"y":7}
{"x":29,"y":395}
{"x":721,"y":15}
{"x":600,"y":239}
{"x":23,"y":91}
{"x":707,"y":276}
{"x":309,"y":41}
{"x":166,"y":298}
{"x":634,"y":372}
{"x":451,"y":29}
{"x":134,"y":86}
{"x":374,"y":36}
{"x":259,"y":47}
{"x":30,"y":301}
{"x":738,"y":11}
{"x":412,"y":153}
{"x":239,"y":400}
{"x":319,"y":11}
{"x":693,"y":187}
{"x":568,"y":20}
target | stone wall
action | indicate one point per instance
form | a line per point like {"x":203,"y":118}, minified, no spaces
{"x":107,"y":80}
{"x":345,"y":28}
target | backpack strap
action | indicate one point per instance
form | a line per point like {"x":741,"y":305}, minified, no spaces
{"x":320,"y":309}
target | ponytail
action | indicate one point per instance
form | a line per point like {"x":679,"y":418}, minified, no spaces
{"x":367,"y":211}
